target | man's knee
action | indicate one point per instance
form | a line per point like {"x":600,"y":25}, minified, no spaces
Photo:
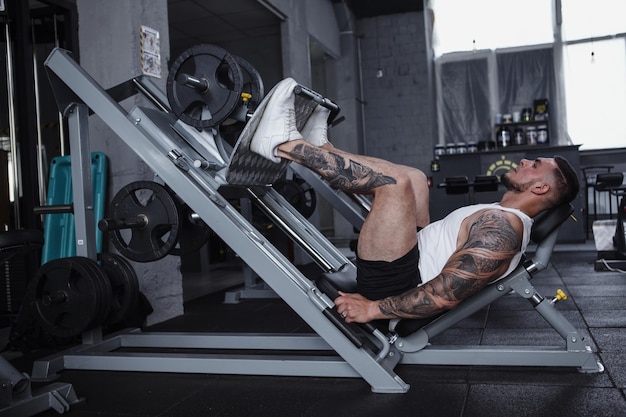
{"x":407,"y":178}
{"x":418,"y":179}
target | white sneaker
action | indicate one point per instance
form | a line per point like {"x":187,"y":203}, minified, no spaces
{"x":315,"y":130}
{"x":278,"y":121}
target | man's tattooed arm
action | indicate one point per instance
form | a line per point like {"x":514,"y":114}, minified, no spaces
{"x":350,"y":176}
{"x":492,"y":243}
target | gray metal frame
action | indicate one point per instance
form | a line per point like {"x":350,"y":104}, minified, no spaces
{"x":178,"y":156}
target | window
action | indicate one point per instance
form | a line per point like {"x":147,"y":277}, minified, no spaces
{"x":590,"y":81}
{"x":596,"y":93}
{"x":594,"y":69}
{"x":587,"y":20}
{"x":462,"y":25}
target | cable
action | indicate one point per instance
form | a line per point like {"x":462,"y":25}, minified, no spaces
{"x":606,"y":265}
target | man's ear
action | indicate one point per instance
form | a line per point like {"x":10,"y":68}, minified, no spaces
{"x":540,"y":188}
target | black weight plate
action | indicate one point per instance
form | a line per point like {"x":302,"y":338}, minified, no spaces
{"x":124,"y":285}
{"x":252,"y":84}
{"x":309,"y":196}
{"x":156,"y":204}
{"x":208,"y":108}
{"x":299,"y":194}
{"x":67,"y":299}
{"x":105,"y":292}
{"x":193,"y":233}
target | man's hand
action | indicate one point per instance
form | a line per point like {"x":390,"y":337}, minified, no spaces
{"x":356,"y":308}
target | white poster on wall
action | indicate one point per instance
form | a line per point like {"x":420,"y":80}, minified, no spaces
{"x":150,"y":51}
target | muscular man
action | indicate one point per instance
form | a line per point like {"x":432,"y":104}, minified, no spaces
{"x":402,"y":273}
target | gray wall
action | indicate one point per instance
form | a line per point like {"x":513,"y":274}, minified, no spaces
{"x":110,"y":53}
{"x":398,"y":122}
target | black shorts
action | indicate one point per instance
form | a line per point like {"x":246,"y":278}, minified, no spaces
{"x":380,"y":279}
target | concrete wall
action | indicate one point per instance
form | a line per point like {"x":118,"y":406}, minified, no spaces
{"x":388,"y":117}
{"x":110,"y":52}
{"x":398,"y":122}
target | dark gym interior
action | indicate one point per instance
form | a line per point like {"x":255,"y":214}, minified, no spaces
{"x":153,"y":266}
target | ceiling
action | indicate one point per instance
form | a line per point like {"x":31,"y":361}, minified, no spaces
{"x":372,"y":8}
{"x":192,"y":22}
{"x":199,"y":21}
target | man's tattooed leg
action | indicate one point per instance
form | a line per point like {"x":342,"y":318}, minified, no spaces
{"x":347,"y":176}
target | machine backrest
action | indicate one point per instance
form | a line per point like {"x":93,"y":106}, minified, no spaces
{"x":549,"y":220}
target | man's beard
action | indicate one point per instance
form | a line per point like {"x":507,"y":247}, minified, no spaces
{"x":511,"y":185}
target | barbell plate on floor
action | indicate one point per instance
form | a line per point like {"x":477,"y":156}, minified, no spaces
{"x":69,"y":296}
{"x":204,"y":86}
{"x":124,"y":286}
{"x":102,"y":280}
{"x":154,"y":203}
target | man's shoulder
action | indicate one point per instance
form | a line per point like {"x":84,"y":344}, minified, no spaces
{"x":497,"y":215}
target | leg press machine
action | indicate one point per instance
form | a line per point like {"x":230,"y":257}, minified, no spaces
{"x":196,"y":167}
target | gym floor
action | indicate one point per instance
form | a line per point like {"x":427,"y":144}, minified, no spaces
{"x":596,"y":306}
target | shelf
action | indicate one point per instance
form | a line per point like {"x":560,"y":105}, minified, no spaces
{"x":522,"y":124}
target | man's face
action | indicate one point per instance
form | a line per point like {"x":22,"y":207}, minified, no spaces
{"x":527,"y":173}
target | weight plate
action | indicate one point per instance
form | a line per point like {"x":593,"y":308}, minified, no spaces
{"x":210,"y":104}
{"x":105,"y":293}
{"x":231,"y":129}
{"x":193,"y":233}
{"x":299,"y":194}
{"x":124,"y":286}
{"x":154,"y":203}
{"x":68,"y":296}
{"x":252,"y":84}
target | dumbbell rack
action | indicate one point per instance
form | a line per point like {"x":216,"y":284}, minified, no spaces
{"x":171,"y":151}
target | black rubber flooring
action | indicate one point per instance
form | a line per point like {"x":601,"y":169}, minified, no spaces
{"x":596,"y":306}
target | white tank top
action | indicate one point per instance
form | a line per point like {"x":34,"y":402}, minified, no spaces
{"x":437,"y":241}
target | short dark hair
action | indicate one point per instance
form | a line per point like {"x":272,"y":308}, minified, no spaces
{"x":567,"y":181}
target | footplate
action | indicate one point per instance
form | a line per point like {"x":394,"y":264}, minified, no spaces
{"x":249,"y":168}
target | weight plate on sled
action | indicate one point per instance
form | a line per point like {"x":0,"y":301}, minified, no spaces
{"x":70,"y":296}
{"x":124,"y":286}
{"x":204,"y":86}
{"x":252,"y":82}
{"x":252,"y":85}
{"x":157,"y":234}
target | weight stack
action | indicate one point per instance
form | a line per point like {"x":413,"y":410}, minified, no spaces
{"x":14,"y":280}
